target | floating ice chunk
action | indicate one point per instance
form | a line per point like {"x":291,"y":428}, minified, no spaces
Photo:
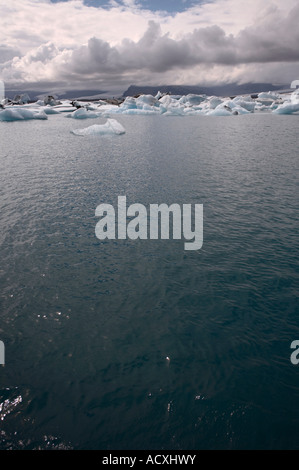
{"x":51,"y":100}
{"x":90,"y":107}
{"x":174,"y":111}
{"x":219,"y":111}
{"x":268,"y":96}
{"x":21,"y":99}
{"x":111,"y":127}
{"x":265,"y":102}
{"x":50,"y":110}
{"x":287,"y":108}
{"x":10,"y":115}
{"x":274,"y":105}
{"x":21,"y":114}
{"x":167,"y":101}
{"x":35,"y":114}
{"x":295,"y":96}
{"x":82,"y":113}
{"x":40,"y":103}
{"x":192,"y":100}
{"x":129,"y":103}
{"x":141,"y":112}
{"x":245,"y":102}
{"x":235,"y":107}
{"x":65,"y":108}
{"x":290,"y":105}
{"x":240,"y":110}
{"x":146,"y":100}
{"x":263,"y":108}
{"x":214,"y":101}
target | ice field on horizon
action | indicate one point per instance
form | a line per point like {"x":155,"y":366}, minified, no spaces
{"x":161,"y":104}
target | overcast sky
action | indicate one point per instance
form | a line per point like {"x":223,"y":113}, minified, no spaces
{"x":110,"y":44}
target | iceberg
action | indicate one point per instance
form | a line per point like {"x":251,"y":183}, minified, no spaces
{"x":21,"y":99}
{"x":268,"y":96}
{"x":245,"y":102}
{"x":21,"y":114}
{"x":10,"y":115}
{"x":219,"y":111}
{"x":146,"y":100}
{"x":50,"y":110}
{"x":168,"y":105}
{"x":214,"y":101}
{"x":146,"y":105}
{"x":111,"y":127}
{"x":176,"y":111}
{"x":192,"y":100}
{"x":228,"y":108}
{"x":289,"y":106}
{"x":50,"y":100}
{"x":82,"y":113}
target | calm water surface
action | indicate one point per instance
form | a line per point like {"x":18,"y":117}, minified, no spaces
{"x":88,"y":325}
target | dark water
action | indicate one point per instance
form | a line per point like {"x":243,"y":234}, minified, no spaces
{"x":88,"y":325}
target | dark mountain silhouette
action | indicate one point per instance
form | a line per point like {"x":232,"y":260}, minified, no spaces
{"x":217,"y":90}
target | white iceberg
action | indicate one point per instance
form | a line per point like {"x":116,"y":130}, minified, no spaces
{"x":245,"y":102}
{"x":192,"y":100}
{"x":82,"y":113}
{"x":268,"y":96}
{"x":10,"y":115}
{"x":219,"y":111}
{"x":111,"y":127}
{"x":146,"y":100}
{"x":161,"y":104}
{"x":50,"y":110}
{"x":21,"y":114}
{"x":21,"y":99}
{"x":289,"y":106}
{"x":214,"y":101}
{"x":228,"y":108}
{"x":51,"y":100}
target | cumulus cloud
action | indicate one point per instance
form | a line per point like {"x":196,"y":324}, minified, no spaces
{"x":210,"y":48}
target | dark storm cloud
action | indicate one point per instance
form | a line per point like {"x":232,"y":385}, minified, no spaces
{"x":261,"y":51}
{"x":270,"y":42}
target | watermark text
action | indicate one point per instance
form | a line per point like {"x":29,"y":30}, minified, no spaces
{"x":2,"y":353}
{"x":295,"y":354}
{"x":136,"y":222}
{"x":295,"y":84}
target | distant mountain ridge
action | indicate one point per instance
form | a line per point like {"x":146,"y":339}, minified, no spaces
{"x":67,"y":95}
{"x":218,"y":90}
{"x":229,"y":90}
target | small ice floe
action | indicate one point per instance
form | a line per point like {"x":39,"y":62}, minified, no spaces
{"x":49,"y":110}
{"x":82,"y":113}
{"x":111,"y":127}
{"x":21,"y":114}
